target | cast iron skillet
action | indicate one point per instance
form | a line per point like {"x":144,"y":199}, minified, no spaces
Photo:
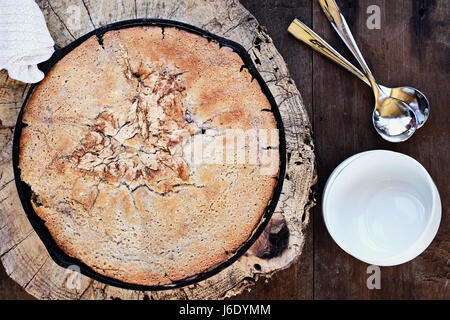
{"x":59,"y":256}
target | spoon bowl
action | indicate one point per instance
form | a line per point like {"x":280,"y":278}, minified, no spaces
{"x":393,"y":120}
{"x":415,"y":100}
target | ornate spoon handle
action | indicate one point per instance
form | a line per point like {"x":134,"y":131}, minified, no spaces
{"x":299,"y":30}
{"x":339,"y":23}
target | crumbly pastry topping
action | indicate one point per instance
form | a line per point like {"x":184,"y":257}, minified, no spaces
{"x":145,"y":147}
{"x":106,"y":152}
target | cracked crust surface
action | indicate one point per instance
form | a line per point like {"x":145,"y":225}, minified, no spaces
{"x":107,"y":153}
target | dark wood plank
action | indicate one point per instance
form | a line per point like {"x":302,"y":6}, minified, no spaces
{"x":295,"y":282}
{"x":411,"y":48}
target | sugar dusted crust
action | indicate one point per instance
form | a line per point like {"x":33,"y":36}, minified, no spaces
{"x":106,"y":153}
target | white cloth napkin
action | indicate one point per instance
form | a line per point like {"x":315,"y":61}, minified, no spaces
{"x":24,"y":40}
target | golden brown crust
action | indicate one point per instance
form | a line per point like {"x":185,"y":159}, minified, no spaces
{"x":108,"y":153}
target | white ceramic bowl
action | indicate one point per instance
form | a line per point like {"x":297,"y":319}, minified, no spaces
{"x":381,"y":207}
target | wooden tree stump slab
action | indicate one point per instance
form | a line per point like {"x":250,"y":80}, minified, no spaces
{"x":22,"y":253}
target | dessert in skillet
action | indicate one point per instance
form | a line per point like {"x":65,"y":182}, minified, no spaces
{"x":108,"y":154}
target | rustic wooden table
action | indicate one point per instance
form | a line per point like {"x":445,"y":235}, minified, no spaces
{"x":411,"y":47}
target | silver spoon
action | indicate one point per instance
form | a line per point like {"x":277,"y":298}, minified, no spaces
{"x":393,"y":119}
{"x":415,"y":99}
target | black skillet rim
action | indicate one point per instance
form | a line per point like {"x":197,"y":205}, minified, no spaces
{"x":57,"y":254}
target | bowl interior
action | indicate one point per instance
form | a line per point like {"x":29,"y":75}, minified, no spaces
{"x":379,"y":205}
